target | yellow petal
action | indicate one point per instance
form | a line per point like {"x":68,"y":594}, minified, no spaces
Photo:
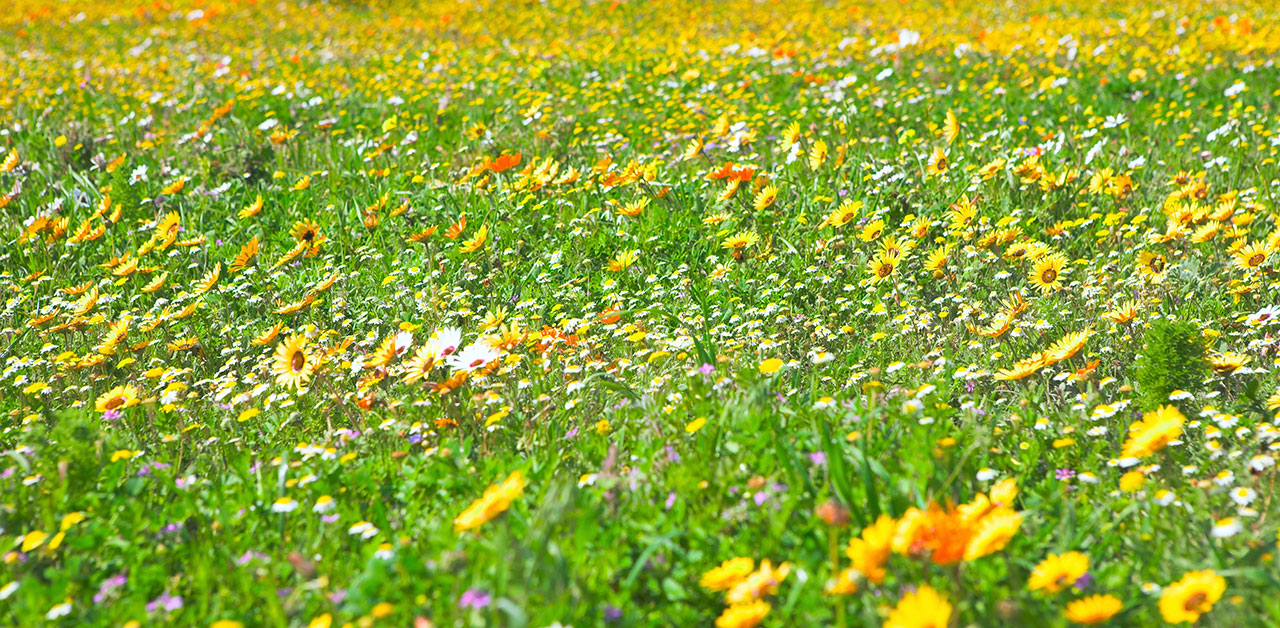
{"x":770,"y":366}
{"x":33,"y":539}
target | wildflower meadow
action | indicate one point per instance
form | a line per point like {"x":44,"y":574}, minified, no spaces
{"x":630,"y":313}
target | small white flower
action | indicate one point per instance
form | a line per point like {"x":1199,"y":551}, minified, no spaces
{"x":1243,"y":496}
{"x":986,"y":474}
{"x":323,"y":504}
{"x":61,"y":610}
{"x":1226,"y":527}
{"x":284,"y":504}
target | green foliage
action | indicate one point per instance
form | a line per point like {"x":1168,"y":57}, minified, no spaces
{"x":1172,"y":359}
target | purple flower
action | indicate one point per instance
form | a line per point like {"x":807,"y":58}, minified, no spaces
{"x":251,"y":556}
{"x":166,"y":602}
{"x":671,"y":500}
{"x":474,"y":598}
{"x":612,"y":613}
{"x":672,"y":456}
{"x":108,"y":586}
{"x":1084,"y":582}
{"x":818,"y":458}
{"x":112,"y":415}
{"x":707,"y":368}
{"x":1064,"y":474}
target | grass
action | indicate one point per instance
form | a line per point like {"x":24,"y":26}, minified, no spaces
{"x":479,"y":314}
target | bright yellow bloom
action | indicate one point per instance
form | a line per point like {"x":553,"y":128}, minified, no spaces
{"x":922,"y":609}
{"x":1194,"y":595}
{"x":729,"y":573}
{"x":495,"y":501}
{"x":1093,"y":610}
{"x":1058,"y":571}
{"x":117,"y":398}
{"x":747,"y":615}
{"x":995,"y":531}
{"x":292,"y":365}
{"x":1153,"y":432}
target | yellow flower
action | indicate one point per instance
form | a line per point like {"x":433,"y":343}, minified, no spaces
{"x":623,"y":261}
{"x":765,"y":197}
{"x":1093,"y":610}
{"x":421,"y":364}
{"x":770,"y":366}
{"x":1152,"y":266}
{"x":1058,"y":572}
{"x":292,"y":365}
{"x":922,"y":609}
{"x":1067,"y":346}
{"x":1194,"y":595}
{"x":817,"y":154}
{"x":747,"y":615}
{"x":495,"y":501}
{"x":870,"y":552}
{"x":729,"y":573}
{"x":761,"y":582}
{"x":1132,"y":481}
{"x":951,"y":127}
{"x":882,"y":266}
{"x":1252,"y":256}
{"x":740,"y":240}
{"x":117,"y":398}
{"x":871,"y":231}
{"x":1047,"y":274}
{"x":695,"y":425}
{"x":477,"y":241}
{"x":1004,"y":492}
{"x":938,"y":162}
{"x":1153,"y":432}
{"x":33,"y":539}
{"x":994,"y":532}
{"x":306,"y":231}
{"x":1228,"y":363}
{"x":842,"y":215}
